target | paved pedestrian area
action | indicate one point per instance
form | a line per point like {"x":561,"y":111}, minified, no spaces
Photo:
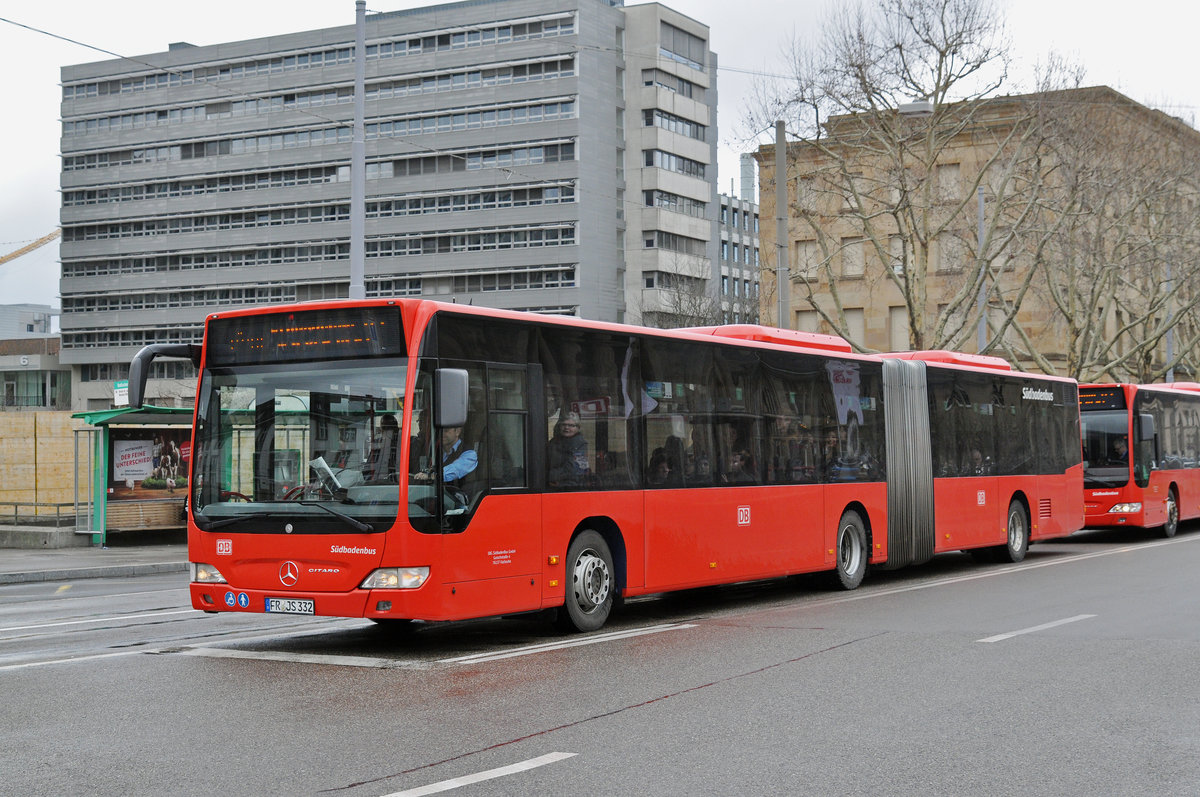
{"x":134,"y":554}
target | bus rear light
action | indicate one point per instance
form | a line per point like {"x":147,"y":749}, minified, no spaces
{"x":397,"y":578}
{"x":1126,"y":509}
{"x":205,"y":574}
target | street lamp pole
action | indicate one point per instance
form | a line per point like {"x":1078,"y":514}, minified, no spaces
{"x":781,"y":250}
{"x":981,"y":302}
{"x":358,"y":161}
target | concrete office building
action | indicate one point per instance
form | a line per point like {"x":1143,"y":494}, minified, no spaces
{"x":738,"y":260}
{"x":538,"y":155}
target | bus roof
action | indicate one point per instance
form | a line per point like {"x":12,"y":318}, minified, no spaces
{"x":1190,"y":387}
{"x":952,"y":358}
{"x":783,"y":337}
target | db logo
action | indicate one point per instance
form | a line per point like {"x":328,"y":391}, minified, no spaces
{"x":981,"y":498}
{"x":224,"y":547}
{"x":743,"y":516}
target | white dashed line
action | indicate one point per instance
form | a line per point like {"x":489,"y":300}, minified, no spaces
{"x":467,"y":780}
{"x":1034,"y":629}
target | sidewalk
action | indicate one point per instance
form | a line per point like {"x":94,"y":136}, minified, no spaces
{"x":128,"y":554}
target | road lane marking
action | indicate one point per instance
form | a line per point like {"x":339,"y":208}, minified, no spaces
{"x":1036,"y":628}
{"x":529,"y":650}
{"x":111,"y":619}
{"x":301,"y":658}
{"x":479,"y":777}
{"x":29,"y":664}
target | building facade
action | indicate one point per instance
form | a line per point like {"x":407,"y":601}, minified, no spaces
{"x":1055,"y":230}
{"x":540,"y":155}
{"x":738,"y":260}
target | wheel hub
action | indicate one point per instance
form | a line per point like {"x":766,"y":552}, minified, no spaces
{"x":591,"y":581}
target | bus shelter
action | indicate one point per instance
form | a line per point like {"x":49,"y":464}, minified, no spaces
{"x":140,"y":463}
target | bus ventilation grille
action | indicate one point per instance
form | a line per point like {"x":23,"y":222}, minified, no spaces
{"x":1044,"y":508}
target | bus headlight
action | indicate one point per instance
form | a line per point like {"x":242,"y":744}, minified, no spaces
{"x":205,"y":574}
{"x":1126,"y":509}
{"x":397,"y":578}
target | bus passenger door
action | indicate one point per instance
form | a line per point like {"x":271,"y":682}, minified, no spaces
{"x":492,"y":544}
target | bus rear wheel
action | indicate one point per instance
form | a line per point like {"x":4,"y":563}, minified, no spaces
{"x":590,"y":584}
{"x":1017,"y":544}
{"x":1172,"y":525}
{"x":852,"y":553}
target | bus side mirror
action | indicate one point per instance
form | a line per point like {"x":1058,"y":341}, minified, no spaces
{"x":1145,"y":430}
{"x":450,"y":390}
{"x":139,"y":367}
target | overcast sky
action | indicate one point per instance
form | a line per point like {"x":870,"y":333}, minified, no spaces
{"x":1144,"y":49}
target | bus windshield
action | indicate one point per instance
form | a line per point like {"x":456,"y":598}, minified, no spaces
{"x":309,"y":447}
{"x":1106,"y":448}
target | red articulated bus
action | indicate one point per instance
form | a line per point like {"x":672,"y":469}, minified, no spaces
{"x":409,"y":460}
{"x":1141,"y":448}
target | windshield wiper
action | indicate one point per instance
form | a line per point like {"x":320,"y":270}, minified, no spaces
{"x":229,"y":521}
{"x":358,"y":524}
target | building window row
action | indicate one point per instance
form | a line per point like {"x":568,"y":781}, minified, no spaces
{"x":675,"y":124}
{"x":679,"y":45}
{"x":674,"y":163}
{"x":217,"y":184}
{"x":477,"y":36}
{"x":377,"y":288}
{"x":672,"y":83}
{"x":457,"y":119}
{"x":425,"y":84}
{"x":515,"y":197}
{"x":160,"y":300}
{"x":452,"y":242}
{"x":673,"y":242}
{"x":516,"y":279}
{"x":316,"y":252}
{"x":466,"y":160}
{"x":317,"y":214}
{"x":676,"y":203}
{"x":739,"y":219}
{"x":741,"y":288}
{"x":734,"y":253}
{"x":103,"y":338}
{"x":500,"y":32}
{"x":471,"y":119}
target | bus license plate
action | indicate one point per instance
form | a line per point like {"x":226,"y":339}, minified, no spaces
{"x":290,"y":606}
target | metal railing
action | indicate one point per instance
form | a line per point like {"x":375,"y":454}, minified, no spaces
{"x":30,"y":513}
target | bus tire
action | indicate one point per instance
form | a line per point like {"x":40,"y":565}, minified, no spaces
{"x":851,"y":551}
{"x":1017,"y":532}
{"x":591,"y":584}
{"x":1172,"y":525}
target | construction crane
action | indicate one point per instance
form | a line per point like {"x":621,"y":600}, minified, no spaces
{"x":27,"y":248}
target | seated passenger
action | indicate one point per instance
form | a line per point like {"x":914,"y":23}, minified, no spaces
{"x":567,"y":454}
{"x":741,"y":468}
{"x":658,"y":474}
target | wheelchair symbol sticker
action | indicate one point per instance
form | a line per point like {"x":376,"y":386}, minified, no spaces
{"x":230,"y":599}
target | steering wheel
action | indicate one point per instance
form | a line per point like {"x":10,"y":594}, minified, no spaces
{"x":233,"y":495}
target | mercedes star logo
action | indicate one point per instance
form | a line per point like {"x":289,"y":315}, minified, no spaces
{"x":289,"y":574}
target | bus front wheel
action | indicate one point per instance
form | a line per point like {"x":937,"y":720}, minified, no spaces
{"x":852,"y":551}
{"x":1172,"y":525}
{"x":1017,"y":543}
{"x":590,"y":584}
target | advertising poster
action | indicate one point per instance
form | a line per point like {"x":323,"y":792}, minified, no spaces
{"x":149,"y":463}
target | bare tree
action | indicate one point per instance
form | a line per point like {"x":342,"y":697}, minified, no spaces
{"x":1124,"y":252}
{"x":899,"y":133}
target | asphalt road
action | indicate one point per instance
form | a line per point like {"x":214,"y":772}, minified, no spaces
{"x":1072,"y":673}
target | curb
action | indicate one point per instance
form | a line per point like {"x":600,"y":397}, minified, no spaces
{"x":107,"y":571}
